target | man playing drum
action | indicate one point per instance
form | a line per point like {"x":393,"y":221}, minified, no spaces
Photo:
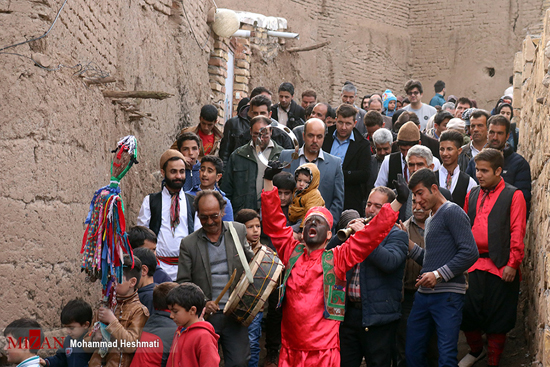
{"x":313,"y":290}
{"x":208,"y":258}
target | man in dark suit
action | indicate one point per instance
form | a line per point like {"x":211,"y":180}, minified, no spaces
{"x":332,"y":178}
{"x":208,"y":258}
{"x":287,"y":112}
{"x":346,"y":142}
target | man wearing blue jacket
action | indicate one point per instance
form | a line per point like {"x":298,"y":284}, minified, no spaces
{"x":374,"y":293}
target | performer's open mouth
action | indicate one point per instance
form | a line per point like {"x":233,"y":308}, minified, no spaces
{"x":312,"y":232}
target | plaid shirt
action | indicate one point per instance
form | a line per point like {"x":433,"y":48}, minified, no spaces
{"x":354,"y":288}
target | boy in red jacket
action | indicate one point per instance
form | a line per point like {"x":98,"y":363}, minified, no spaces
{"x":195,"y":343}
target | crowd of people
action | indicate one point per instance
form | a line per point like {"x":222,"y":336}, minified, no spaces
{"x":429,"y":201}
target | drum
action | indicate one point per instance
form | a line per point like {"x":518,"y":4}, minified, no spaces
{"x":247,"y":299}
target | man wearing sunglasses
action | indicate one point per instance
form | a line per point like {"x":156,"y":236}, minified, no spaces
{"x":414,"y":91}
{"x":208,"y":258}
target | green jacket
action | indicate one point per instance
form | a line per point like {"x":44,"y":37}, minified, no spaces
{"x":239,"y":179}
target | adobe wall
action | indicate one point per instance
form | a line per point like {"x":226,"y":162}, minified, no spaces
{"x":460,"y":41}
{"x":369,"y":45}
{"x":56,"y":131}
{"x":532,"y":98}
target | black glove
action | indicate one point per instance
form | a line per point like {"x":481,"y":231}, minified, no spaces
{"x":402,"y":189}
{"x":273,"y":167}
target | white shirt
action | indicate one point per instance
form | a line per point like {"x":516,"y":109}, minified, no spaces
{"x":302,"y":156}
{"x":473,"y":150}
{"x":382,"y":179}
{"x":282,"y":115}
{"x":424,"y":113}
{"x":454,"y":179}
{"x":168,"y":243}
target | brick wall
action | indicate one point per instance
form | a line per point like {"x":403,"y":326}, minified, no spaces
{"x":56,"y":132}
{"x":457,"y":43}
{"x":531,"y":84}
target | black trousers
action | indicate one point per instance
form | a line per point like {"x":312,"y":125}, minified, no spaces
{"x":356,"y":342}
{"x":233,"y":339}
{"x":273,"y":323}
{"x":491,"y":304}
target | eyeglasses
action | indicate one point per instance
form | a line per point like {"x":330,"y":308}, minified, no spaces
{"x":204,"y":217}
{"x":415,"y":93}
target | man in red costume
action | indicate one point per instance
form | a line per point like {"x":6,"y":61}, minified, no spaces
{"x":313,"y":290}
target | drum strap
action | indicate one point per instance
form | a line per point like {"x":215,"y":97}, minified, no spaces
{"x":240,"y":251}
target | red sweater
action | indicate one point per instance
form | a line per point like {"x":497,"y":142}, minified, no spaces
{"x":195,"y":346}
{"x":480,"y":230}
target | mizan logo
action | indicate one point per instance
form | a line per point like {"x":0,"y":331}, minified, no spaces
{"x":34,"y":342}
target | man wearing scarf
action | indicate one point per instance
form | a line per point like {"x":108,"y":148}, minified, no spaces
{"x":497,"y":214}
{"x":313,"y":289}
{"x":169,"y":213}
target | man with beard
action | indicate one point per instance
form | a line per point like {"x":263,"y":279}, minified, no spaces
{"x":313,"y":290}
{"x":208,"y":258}
{"x":169,"y":213}
{"x":332,"y":177}
{"x":243,"y":181}
{"x":516,"y":170}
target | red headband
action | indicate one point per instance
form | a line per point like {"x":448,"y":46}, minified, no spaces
{"x":322,"y":211}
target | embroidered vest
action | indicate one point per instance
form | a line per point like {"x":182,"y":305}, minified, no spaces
{"x":461,"y":188}
{"x":334,"y":289}
{"x":155,"y":205}
{"x":498,"y":231}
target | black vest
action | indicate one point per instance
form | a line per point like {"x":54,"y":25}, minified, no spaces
{"x":498,"y":222}
{"x":461,"y":188}
{"x":155,"y":204}
{"x":395,"y":168}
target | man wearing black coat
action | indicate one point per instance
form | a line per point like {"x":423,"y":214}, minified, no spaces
{"x":287,"y":112}
{"x":346,"y":142}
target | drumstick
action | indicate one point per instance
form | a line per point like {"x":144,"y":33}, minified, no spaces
{"x":226,"y":286}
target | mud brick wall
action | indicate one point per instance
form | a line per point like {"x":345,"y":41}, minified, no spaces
{"x":56,"y":132}
{"x":532,"y":100}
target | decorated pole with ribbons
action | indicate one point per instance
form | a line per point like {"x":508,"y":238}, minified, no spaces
{"x":105,"y":240}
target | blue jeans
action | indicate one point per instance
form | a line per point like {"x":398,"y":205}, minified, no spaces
{"x":442,"y":310}
{"x":254,"y":334}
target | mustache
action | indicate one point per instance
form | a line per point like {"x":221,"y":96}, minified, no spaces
{"x":418,"y":211}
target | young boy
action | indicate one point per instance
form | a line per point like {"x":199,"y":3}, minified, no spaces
{"x":285,"y":184}
{"x":189,"y":145}
{"x":146,"y":283}
{"x":24,"y":338}
{"x":124,"y":328}
{"x":76,"y":317}
{"x":307,"y":194}
{"x":251,"y":219}
{"x":211,"y":172}
{"x":140,"y":236}
{"x":195,"y":343}
{"x":159,"y":328}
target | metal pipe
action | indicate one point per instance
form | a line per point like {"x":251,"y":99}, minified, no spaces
{"x":246,"y":34}
{"x":242,"y":33}
{"x":283,"y":34}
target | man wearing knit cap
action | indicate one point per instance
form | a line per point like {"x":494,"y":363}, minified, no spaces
{"x":169,"y":213}
{"x":395,"y":163}
{"x":313,"y":289}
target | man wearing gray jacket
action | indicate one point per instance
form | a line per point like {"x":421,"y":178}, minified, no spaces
{"x":208,"y":258}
